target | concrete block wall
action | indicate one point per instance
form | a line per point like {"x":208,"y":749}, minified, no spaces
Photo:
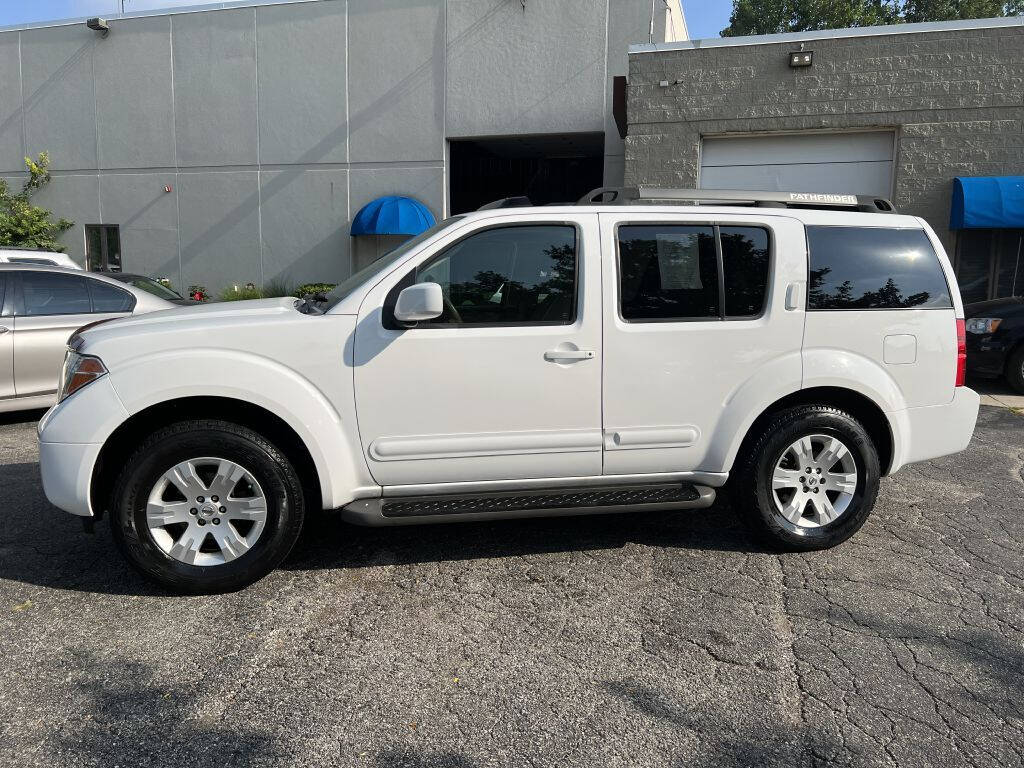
{"x":955,"y":98}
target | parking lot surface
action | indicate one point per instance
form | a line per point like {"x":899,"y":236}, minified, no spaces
{"x":666,"y":639}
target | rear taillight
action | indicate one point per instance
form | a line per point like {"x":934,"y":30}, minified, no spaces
{"x":961,"y":352}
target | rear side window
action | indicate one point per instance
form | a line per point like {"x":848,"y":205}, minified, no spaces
{"x":668,"y":272}
{"x":29,"y":260}
{"x":108,"y":298}
{"x":671,"y":272}
{"x":874,"y":268}
{"x":745,"y":260}
{"x":51,"y":293}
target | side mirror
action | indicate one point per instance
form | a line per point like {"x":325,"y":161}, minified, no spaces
{"x":423,"y":301}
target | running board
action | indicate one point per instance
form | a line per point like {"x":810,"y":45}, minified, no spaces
{"x":412,"y":510}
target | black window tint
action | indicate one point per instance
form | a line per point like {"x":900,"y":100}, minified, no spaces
{"x":871,"y":268}
{"x":667,"y":272}
{"x":29,"y":260}
{"x":108,"y":298}
{"x":745,"y":264}
{"x":49,"y":293}
{"x":3,"y":293}
{"x":508,"y":275}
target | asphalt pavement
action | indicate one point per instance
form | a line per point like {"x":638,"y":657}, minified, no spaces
{"x":656,"y":639}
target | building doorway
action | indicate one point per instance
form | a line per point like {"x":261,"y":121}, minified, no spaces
{"x":990,"y":263}
{"x":550,"y":168}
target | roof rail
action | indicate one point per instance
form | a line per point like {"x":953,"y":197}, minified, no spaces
{"x":767,"y":199}
{"x":520,"y":201}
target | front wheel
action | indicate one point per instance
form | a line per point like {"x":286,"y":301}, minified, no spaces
{"x":810,"y":479}
{"x":1015,"y":370}
{"x":207,"y":506}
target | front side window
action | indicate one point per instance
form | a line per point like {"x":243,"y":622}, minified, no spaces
{"x":50,"y":293}
{"x":873,"y":268}
{"x":516,"y":275}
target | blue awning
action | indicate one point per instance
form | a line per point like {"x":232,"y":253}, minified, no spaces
{"x":392,"y":215}
{"x":987,"y":202}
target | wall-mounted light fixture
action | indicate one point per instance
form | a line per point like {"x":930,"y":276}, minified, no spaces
{"x":97,"y":24}
{"x":801,"y":58}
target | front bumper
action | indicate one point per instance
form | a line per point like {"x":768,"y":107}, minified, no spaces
{"x":71,"y":435}
{"x":938,"y":430}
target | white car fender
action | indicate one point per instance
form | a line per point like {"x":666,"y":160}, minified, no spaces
{"x":261,"y":381}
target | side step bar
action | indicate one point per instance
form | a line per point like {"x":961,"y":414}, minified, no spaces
{"x":413,"y":510}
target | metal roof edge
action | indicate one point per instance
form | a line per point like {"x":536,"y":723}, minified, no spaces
{"x":828,"y":34}
{"x":171,"y":11}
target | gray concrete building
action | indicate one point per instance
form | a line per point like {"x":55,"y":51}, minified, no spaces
{"x":897,"y":112}
{"x":234,"y":143}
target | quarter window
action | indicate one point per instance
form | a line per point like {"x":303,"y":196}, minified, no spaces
{"x":519,"y":275}
{"x":109,"y":298}
{"x":873,"y":268}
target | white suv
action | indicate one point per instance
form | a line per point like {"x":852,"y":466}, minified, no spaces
{"x":627,"y":354}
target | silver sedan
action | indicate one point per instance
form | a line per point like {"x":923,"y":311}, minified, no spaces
{"x":40,"y":308}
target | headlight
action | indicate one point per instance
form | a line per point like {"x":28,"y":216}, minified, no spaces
{"x":983,"y":324}
{"x":79,"y":370}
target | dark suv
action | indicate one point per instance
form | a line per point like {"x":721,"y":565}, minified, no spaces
{"x":995,"y":339}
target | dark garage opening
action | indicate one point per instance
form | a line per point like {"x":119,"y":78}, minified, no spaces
{"x":555,"y":168}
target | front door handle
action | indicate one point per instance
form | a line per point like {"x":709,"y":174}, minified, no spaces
{"x":4,"y":329}
{"x":561,"y":355}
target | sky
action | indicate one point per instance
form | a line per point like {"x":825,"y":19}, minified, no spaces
{"x":705,"y":18}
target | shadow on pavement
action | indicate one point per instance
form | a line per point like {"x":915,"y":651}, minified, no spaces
{"x":41,"y":545}
{"x":130,"y":715}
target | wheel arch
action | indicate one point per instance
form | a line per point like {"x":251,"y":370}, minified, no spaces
{"x":858,"y":405}
{"x":120,"y":444}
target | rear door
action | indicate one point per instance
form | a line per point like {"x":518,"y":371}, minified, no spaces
{"x":6,"y":339}
{"x":697,"y":332}
{"x":51,"y":307}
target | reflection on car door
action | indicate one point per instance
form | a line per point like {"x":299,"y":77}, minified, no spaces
{"x":52,"y":307}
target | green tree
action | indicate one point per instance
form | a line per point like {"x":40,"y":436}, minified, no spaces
{"x":23,"y":224}
{"x":764,"y":17}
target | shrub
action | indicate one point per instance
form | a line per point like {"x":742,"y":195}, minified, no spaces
{"x":311,"y":289}
{"x":241,"y":293}
{"x":23,"y":224}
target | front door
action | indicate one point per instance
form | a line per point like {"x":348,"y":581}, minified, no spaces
{"x":703,"y":322}
{"x":506,"y":384}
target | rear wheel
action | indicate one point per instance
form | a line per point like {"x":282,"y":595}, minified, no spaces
{"x":207,"y":506}
{"x":810,"y":480}
{"x":1015,"y":370}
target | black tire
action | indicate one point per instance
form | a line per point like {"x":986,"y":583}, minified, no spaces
{"x":1015,"y":369}
{"x":190,"y":440}
{"x":753,"y":491}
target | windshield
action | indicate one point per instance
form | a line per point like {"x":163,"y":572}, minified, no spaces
{"x":346,"y":287}
{"x":155,"y":288}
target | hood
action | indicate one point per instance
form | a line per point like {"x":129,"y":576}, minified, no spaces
{"x":1008,"y":307}
{"x":197,"y":316}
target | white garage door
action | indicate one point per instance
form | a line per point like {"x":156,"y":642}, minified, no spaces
{"x":855,"y":163}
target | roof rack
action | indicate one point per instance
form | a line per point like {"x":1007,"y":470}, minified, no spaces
{"x":520,"y":201}
{"x":628,"y":195}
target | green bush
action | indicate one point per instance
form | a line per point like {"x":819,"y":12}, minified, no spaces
{"x":310,"y":289}
{"x":275,"y":289}
{"x":241,"y":293}
{"x":23,"y":224}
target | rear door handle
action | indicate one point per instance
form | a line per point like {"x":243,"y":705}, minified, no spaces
{"x":556,"y":355}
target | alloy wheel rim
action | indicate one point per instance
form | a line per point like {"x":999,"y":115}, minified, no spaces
{"x":813,"y":482}
{"x":206,"y":511}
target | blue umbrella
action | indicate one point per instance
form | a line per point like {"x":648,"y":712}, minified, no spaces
{"x":392,"y":215}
